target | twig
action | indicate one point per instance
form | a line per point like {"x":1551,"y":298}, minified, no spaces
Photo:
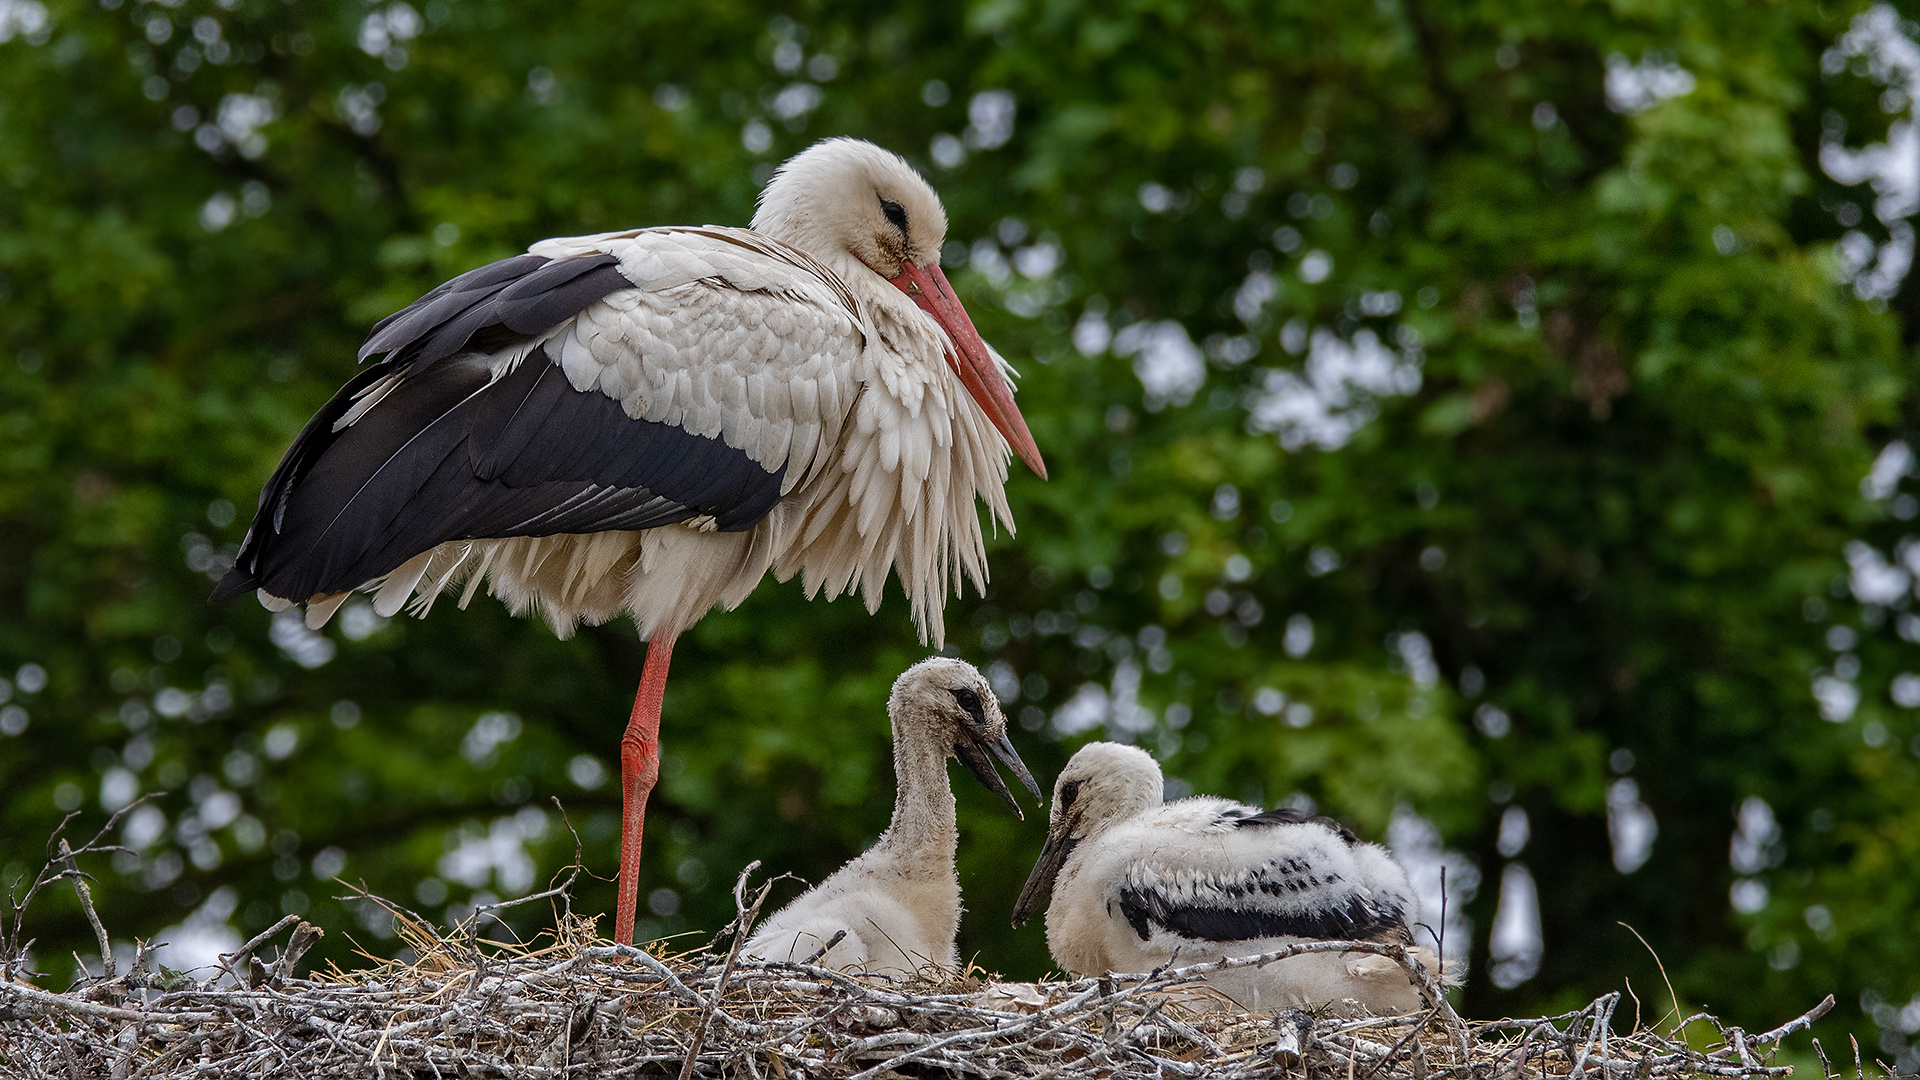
{"x":742,"y":925}
{"x":1412,"y":1035}
{"x":304,"y":936}
{"x":245,"y":952}
{"x":12,"y":952}
{"x":1799,"y":1023}
{"x":579,"y":859}
{"x":1663,"y":974}
{"x":107,"y":966}
{"x":837,"y":938}
{"x":33,"y":1001}
{"x":1602,"y":1018}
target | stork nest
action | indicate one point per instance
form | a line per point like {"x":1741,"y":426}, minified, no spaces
{"x":572,"y":1005}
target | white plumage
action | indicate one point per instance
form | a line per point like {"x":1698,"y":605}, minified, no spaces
{"x":1136,"y":883}
{"x":649,"y":422}
{"x":732,"y":338}
{"x":898,"y":903}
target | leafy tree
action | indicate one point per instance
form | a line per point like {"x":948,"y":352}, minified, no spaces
{"x":1449,"y":412}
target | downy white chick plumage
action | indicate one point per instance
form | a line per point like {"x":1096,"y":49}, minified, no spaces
{"x":1135,"y":882}
{"x":899,"y":902}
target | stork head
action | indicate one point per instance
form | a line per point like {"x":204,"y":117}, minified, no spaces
{"x":1103,"y":785}
{"x":846,"y":197}
{"x":956,"y":700}
{"x":850,"y":195}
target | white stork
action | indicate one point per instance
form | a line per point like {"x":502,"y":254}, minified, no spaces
{"x":1136,"y":882}
{"x":649,"y":421}
{"x":899,"y":901}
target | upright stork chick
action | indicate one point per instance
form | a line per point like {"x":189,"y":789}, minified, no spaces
{"x":899,"y":902}
{"x":1136,"y":882}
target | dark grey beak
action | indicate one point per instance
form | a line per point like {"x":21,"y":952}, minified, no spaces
{"x":974,"y":756}
{"x":1039,"y":886}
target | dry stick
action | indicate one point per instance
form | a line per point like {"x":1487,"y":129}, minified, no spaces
{"x":12,"y":949}
{"x":653,"y":964}
{"x":561,"y":889}
{"x":1663,"y":975}
{"x":304,"y":935}
{"x":1739,"y":1043}
{"x":1826,"y":1067}
{"x":1799,"y":1023}
{"x":66,"y":1047}
{"x":579,"y":859}
{"x":1195,"y":1037}
{"x":1602,"y":1016}
{"x":107,"y":966}
{"x":1412,"y":1035}
{"x":227,"y":960}
{"x":34,"y":1001}
{"x":1606,"y":1032}
{"x":1073,"y":1004}
{"x":837,"y":938}
{"x":743,"y":923}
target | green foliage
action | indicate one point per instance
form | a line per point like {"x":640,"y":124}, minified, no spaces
{"x":1607,"y":494}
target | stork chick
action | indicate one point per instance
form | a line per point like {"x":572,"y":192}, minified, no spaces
{"x":899,"y":902}
{"x":1136,"y":882}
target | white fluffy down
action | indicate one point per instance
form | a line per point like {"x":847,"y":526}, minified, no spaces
{"x":899,"y":901}
{"x":1190,"y":852}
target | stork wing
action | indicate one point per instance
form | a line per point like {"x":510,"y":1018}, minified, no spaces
{"x":1324,"y":915}
{"x":631,"y":381}
{"x":1295,"y":879}
{"x":1286,"y":815}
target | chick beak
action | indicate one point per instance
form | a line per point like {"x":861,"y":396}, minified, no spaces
{"x":1060,"y":843}
{"x":975,"y":757}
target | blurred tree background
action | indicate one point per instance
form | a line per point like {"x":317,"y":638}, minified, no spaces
{"x":1486,"y":422}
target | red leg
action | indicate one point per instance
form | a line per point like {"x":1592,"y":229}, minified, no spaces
{"x":639,"y":768}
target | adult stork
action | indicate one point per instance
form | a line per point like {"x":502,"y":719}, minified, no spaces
{"x":898,"y":902}
{"x":650,"y":421}
{"x":1136,"y":882}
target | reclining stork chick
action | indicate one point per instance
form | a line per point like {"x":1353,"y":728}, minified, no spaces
{"x":1136,"y":882}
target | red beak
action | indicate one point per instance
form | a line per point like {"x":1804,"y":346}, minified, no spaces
{"x":978,"y":373}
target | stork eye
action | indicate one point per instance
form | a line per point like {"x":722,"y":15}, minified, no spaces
{"x":1069,"y":791}
{"x":968,"y":700}
{"x":895,"y":213}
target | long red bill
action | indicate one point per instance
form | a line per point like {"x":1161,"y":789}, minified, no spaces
{"x":978,"y":373}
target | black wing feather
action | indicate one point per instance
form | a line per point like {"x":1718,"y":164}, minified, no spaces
{"x":444,"y":302}
{"x":450,"y":453}
{"x":1286,"y":815}
{"x":1353,"y":918}
{"x":526,"y":294}
{"x":557,"y":292}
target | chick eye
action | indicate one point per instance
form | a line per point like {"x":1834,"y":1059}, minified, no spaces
{"x":895,"y":213}
{"x":968,"y":700}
